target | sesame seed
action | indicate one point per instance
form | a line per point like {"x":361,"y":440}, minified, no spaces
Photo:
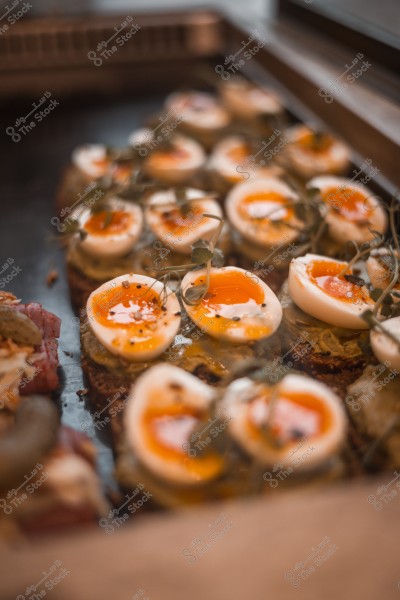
{"x":138,"y":286}
{"x":263,"y":305}
{"x":177,"y":314}
{"x":164,"y":308}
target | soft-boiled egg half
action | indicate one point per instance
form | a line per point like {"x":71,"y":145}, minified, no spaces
{"x":165,"y":406}
{"x":177,"y":163}
{"x":353,"y":212}
{"x":318,"y":285}
{"x":198,"y":110}
{"x":309,"y":153}
{"x":93,"y":162}
{"x":384,"y":347}
{"x":299,"y":422}
{"x":111,"y":232}
{"x":247,"y":101}
{"x":238,"y":306}
{"x":380,"y":268}
{"x":180,"y":227}
{"x":134,"y":316}
{"x":262,"y":211}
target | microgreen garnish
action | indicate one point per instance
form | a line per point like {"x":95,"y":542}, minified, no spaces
{"x":362,"y":251}
{"x":203,"y":255}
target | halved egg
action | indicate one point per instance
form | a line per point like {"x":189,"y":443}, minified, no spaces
{"x":232,"y":160}
{"x":198,"y":110}
{"x":262,"y":211}
{"x":380,"y":268}
{"x":309,"y":153}
{"x":134,"y":316}
{"x":317,"y":286}
{"x":93,"y":162}
{"x":165,"y":406}
{"x":247,"y":101}
{"x":384,"y":348}
{"x":238,"y":306}
{"x":299,"y":422}
{"x":177,"y":163}
{"x":180,"y":227}
{"x":352,"y":209}
{"x":111,"y":232}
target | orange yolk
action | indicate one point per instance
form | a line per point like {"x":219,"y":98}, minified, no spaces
{"x":239,"y":153}
{"x":350,"y":203}
{"x":315,"y":144}
{"x":166,"y":420}
{"x":226,"y":290}
{"x":177,"y":221}
{"x":265,"y":207}
{"x":120,"y":172}
{"x":170,"y":158}
{"x":325,"y":274}
{"x":135,"y":310}
{"x":294,"y":413}
{"x":108,"y":222}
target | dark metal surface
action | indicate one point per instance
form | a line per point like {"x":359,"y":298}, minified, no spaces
{"x":30,"y":173}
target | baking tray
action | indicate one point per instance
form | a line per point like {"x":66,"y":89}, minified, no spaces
{"x":94,"y":112}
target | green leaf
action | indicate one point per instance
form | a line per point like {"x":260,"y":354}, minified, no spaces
{"x":375,"y":294}
{"x":201,"y":256}
{"x":195,"y":293}
{"x":218,"y":258}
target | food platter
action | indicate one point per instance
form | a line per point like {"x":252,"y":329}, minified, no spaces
{"x":30,"y":193}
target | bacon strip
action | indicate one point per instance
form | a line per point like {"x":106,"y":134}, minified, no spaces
{"x":46,"y":379}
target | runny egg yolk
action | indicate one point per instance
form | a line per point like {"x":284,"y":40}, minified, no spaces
{"x":348,"y":202}
{"x":230,"y":296}
{"x":135,"y":309}
{"x":168,"y":430}
{"x":265,"y":207}
{"x":325,"y":274}
{"x":169,"y":158}
{"x":239,"y":153}
{"x":316,"y":144}
{"x":108,"y":222}
{"x":178,"y":221}
{"x":295,"y":415}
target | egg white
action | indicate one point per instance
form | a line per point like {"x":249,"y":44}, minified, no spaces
{"x":319,"y":304}
{"x":199,"y":110}
{"x":247,"y":101}
{"x":250,"y":315}
{"x":183,"y":170}
{"x":259,"y":185}
{"x":115,"y":339}
{"x":156,"y":383}
{"x":384,"y":348}
{"x":379,"y":275}
{"x":340,"y":228}
{"x":324,"y":444}
{"x":85,"y":157}
{"x":204,"y":228}
{"x":113,"y":244}
{"x":307,"y":165}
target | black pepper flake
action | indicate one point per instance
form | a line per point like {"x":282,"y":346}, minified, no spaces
{"x":112,"y":312}
{"x":175,"y":386}
{"x":263,"y":305}
{"x":164,"y":308}
{"x":235,"y":318}
{"x":125,"y":284}
{"x":138,"y":286}
{"x":177,"y":314}
{"x":131,"y":342}
{"x":217,"y":316}
{"x":140,"y":330}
